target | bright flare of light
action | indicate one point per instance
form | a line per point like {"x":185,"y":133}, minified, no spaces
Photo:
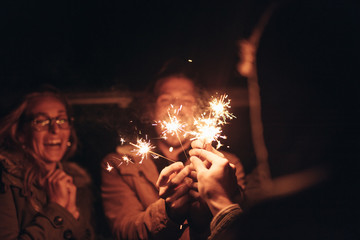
{"x":208,"y":126}
{"x":143,"y":148}
{"x":173,"y":126}
{"x":219,"y":108}
{"x":109,"y":167}
{"x":208,"y":130}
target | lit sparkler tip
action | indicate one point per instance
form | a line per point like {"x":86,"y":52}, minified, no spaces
{"x":219,"y":108}
{"x":143,"y":148}
{"x":173,"y":126}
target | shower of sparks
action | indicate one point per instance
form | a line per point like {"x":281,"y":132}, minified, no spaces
{"x":144,"y":148}
{"x":173,"y":126}
{"x":219,"y":108}
{"x":118,"y":161}
{"x":208,"y":129}
{"x":122,"y":140}
{"x":208,"y":126}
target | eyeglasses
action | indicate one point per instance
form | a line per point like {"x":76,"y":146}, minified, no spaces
{"x":44,"y":124}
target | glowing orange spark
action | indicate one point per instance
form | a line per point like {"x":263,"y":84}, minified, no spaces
{"x":109,"y":167}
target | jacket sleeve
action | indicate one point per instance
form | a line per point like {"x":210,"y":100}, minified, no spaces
{"x":54,"y":222}
{"x":128,"y":217}
{"x":225,"y":224}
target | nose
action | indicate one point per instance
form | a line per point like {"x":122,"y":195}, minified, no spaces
{"x":177,"y":102}
{"x":53,"y":127}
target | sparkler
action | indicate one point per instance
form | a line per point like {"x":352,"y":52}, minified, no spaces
{"x":219,"y":108}
{"x":144,"y":148}
{"x":173,"y":126}
{"x":208,"y":125}
{"x":208,"y":130}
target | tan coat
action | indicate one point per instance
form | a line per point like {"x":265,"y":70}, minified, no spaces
{"x":19,"y":219}
{"x":131,"y":199}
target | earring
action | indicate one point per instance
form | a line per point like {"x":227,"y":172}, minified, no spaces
{"x":68,"y":144}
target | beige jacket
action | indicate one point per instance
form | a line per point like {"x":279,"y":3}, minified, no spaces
{"x":19,"y":220}
{"x":131,"y":199}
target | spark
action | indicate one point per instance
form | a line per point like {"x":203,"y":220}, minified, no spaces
{"x":126,"y":160}
{"x":144,"y":148}
{"x":109,"y":167}
{"x":208,"y":125}
{"x":219,"y":108}
{"x":208,"y":129}
{"x":174,"y":125}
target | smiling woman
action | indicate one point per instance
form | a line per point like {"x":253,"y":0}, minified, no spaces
{"x":42,"y":196}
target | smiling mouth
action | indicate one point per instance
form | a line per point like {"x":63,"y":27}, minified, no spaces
{"x":53,"y":143}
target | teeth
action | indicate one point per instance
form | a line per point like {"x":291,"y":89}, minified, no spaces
{"x":53,"y":142}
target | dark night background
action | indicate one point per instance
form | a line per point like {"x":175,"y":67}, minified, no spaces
{"x":87,"y":45}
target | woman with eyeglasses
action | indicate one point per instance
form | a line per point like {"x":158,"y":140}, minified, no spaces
{"x":41,"y":195}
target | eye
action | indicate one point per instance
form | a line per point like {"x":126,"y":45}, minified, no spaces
{"x":164,"y":99}
{"x":41,"y":122}
{"x":188,"y":101}
{"x":63,"y":121}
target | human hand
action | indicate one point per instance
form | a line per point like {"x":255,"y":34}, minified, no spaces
{"x":61,"y":190}
{"x":174,"y":186}
{"x":216,"y":177}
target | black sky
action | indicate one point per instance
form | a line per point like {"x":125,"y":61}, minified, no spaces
{"x":97,"y":45}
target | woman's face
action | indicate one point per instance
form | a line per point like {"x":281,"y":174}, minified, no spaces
{"x":177,"y":92}
{"x":50,"y":129}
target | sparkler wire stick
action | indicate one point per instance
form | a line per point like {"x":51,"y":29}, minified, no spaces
{"x":177,"y":135}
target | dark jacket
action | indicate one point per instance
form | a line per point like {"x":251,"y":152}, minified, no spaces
{"x":19,"y":219}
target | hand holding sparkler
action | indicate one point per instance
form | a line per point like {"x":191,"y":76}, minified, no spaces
{"x":174,"y":186}
{"x":217,"y":181}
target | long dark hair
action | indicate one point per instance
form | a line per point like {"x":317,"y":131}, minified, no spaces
{"x":27,"y":162}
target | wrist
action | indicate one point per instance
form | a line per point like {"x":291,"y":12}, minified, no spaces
{"x":218,"y":204}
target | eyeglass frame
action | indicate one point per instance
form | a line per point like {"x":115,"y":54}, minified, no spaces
{"x":50,"y":122}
